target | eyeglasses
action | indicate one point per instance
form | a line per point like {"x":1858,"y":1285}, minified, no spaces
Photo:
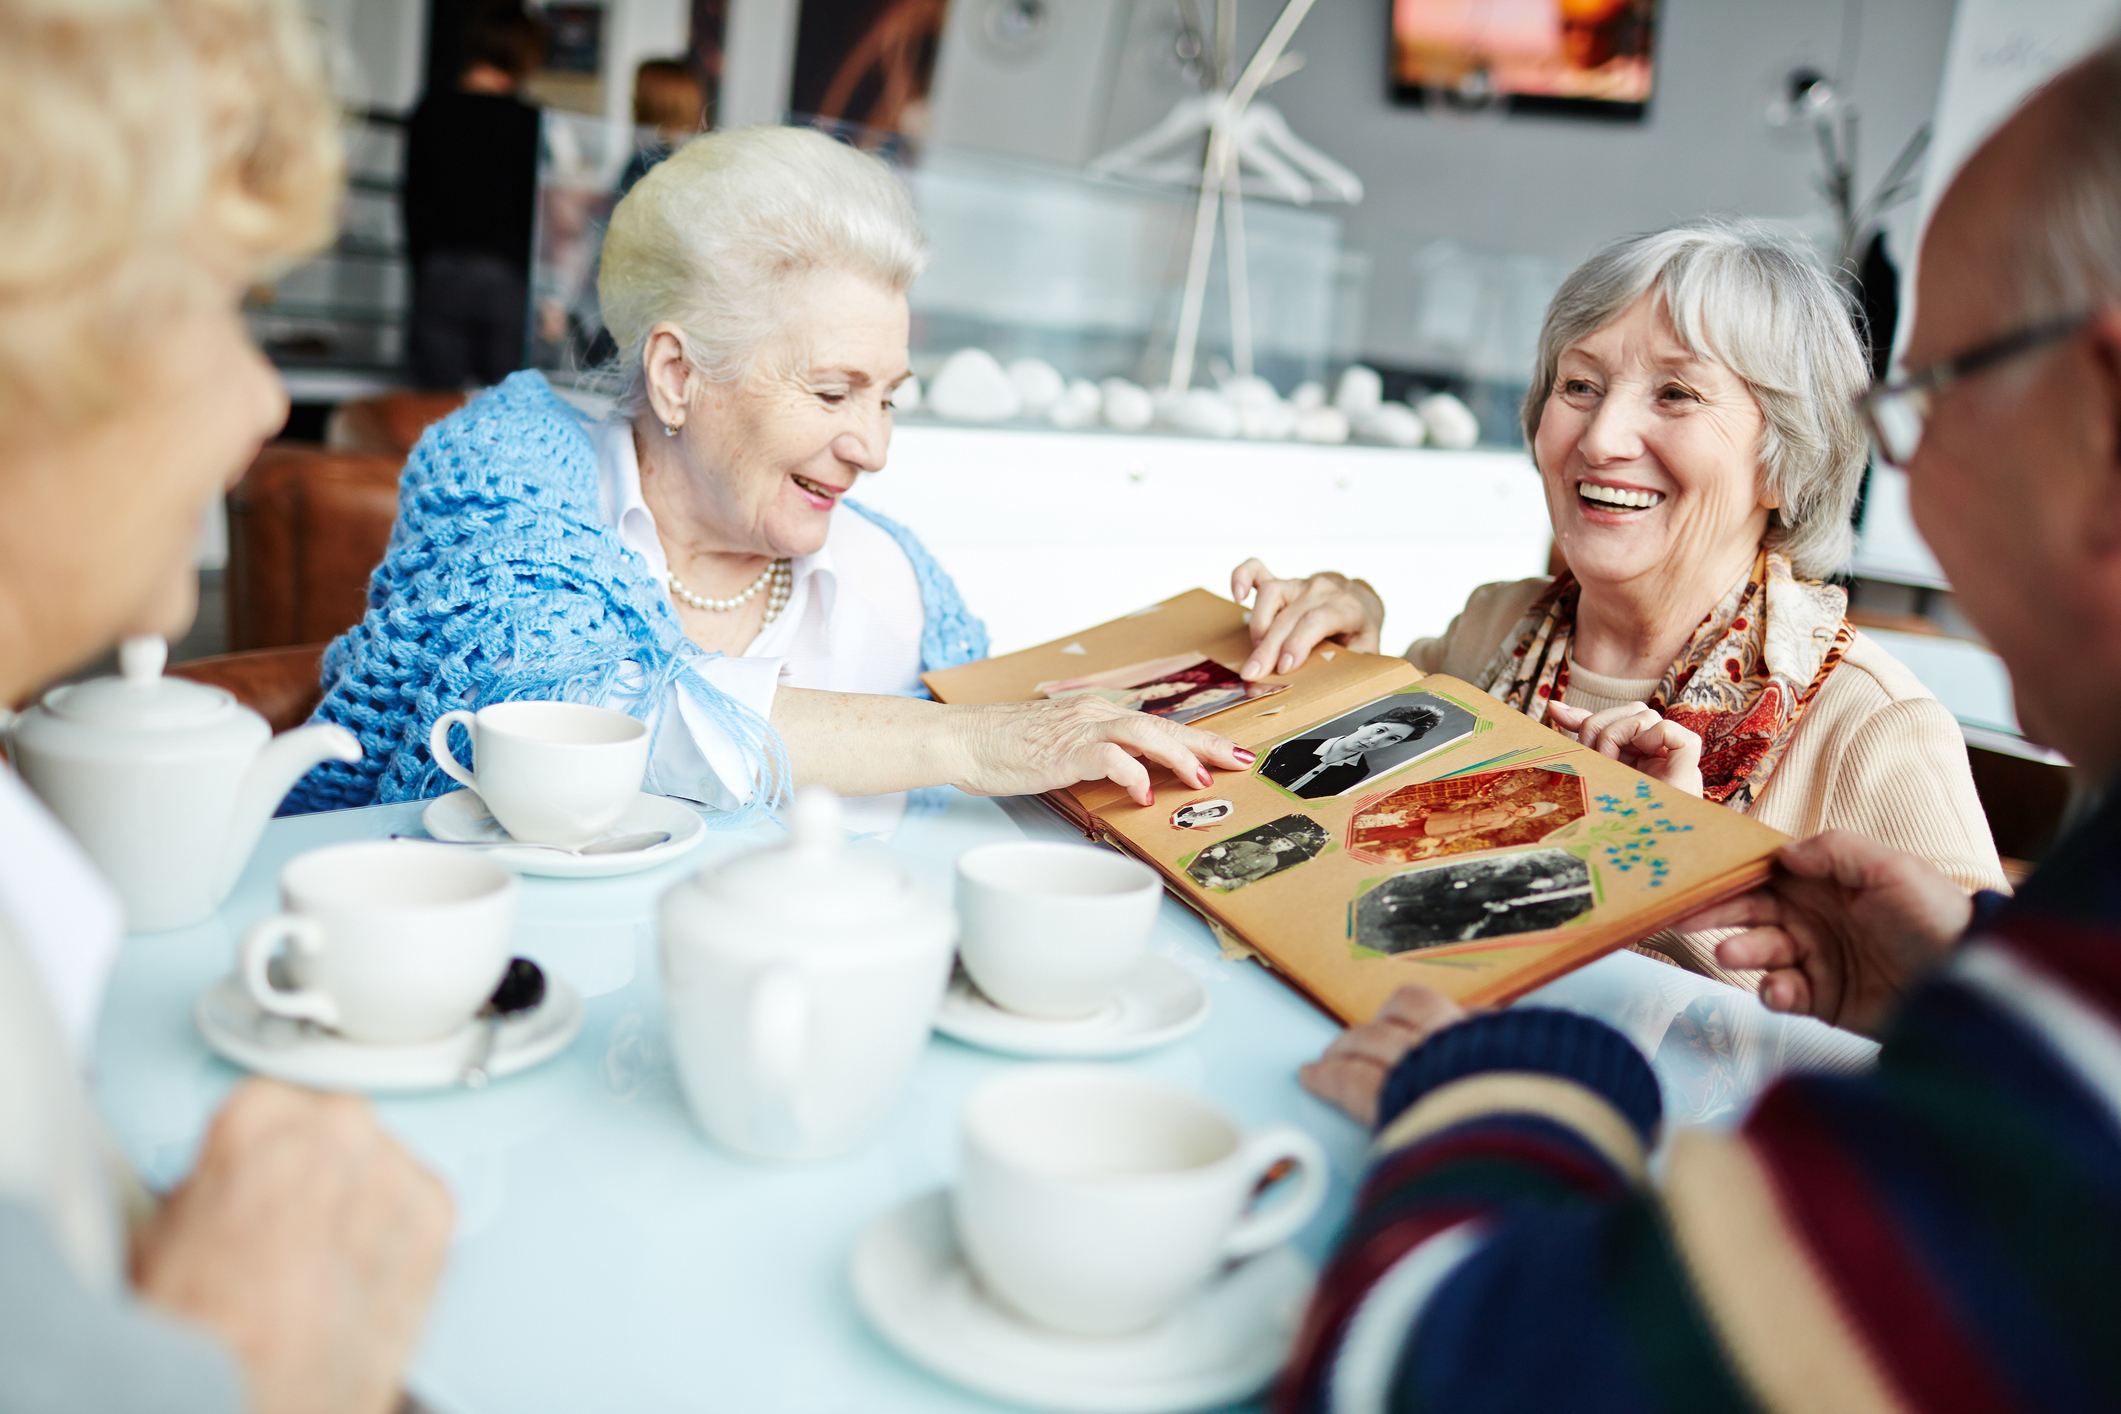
{"x":1896,"y":411}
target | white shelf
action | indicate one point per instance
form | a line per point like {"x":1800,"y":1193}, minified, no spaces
{"x":1047,"y":532}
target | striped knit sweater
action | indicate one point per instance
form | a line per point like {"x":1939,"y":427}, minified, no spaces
{"x":1941,"y":1234}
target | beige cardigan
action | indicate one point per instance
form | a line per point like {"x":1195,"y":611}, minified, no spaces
{"x":1876,"y":753}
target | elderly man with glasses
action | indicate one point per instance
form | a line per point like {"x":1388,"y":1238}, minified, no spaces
{"x":1944,"y":1233}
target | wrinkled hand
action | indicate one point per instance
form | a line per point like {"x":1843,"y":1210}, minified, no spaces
{"x":1635,"y":735}
{"x":1351,"y":1074}
{"x":309,"y":1242}
{"x":1842,"y":929}
{"x":1292,"y":616}
{"x":1024,"y":748}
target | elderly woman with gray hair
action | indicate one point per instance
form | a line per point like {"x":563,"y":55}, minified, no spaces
{"x":694,"y":558}
{"x":1692,"y":417}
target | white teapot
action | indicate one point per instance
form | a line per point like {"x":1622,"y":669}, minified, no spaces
{"x":801,"y":983}
{"x":166,"y":783}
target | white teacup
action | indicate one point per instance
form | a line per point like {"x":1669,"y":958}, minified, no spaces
{"x":389,"y":941}
{"x":1051,"y":929}
{"x":551,"y":772}
{"x":1095,"y":1202}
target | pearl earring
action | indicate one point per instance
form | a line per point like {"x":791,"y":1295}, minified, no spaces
{"x":670,"y":429}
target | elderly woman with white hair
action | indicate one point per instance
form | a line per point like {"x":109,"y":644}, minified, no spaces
{"x":694,"y":558}
{"x":1693,"y":419}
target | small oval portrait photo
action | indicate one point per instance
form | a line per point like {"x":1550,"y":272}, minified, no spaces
{"x":1200,"y":814}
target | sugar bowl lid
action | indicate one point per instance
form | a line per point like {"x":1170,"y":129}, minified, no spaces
{"x":814,"y":878}
{"x":140,"y":698}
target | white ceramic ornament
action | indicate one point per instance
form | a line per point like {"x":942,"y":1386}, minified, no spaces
{"x":1326,"y":425}
{"x":1308,"y":396}
{"x":1450,"y":423}
{"x":972,"y":387}
{"x":1128,"y":406}
{"x":1077,"y":406}
{"x":1197,"y":412}
{"x":1038,"y":385}
{"x":1393,"y":424}
{"x":1361,"y":390}
{"x":1262,"y":416}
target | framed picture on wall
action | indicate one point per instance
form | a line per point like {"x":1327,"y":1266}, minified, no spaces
{"x":867,"y":63}
{"x":1572,"y":58}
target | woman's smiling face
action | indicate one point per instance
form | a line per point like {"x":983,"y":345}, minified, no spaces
{"x":772,"y":453}
{"x":1651,"y":457}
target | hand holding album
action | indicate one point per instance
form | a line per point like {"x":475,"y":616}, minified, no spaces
{"x":1395,"y":827}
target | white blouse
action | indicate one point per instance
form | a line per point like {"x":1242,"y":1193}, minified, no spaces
{"x":853,"y":624}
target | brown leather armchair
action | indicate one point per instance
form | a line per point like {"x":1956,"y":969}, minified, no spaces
{"x":306,"y":527}
{"x":390,"y":423}
{"x":281,"y":684}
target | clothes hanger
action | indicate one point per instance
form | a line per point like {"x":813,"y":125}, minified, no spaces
{"x":1250,"y":145}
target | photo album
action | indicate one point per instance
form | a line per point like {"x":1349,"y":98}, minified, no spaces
{"x":1397,"y":827}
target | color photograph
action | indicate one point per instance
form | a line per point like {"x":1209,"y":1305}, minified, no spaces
{"x":1181,"y":688}
{"x":1465,"y":815}
{"x":1334,"y":757}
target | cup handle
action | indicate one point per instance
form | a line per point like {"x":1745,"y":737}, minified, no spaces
{"x":260,"y":943}
{"x":779,"y":1023}
{"x":438,"y":746}
{"x":1258,"y":1231}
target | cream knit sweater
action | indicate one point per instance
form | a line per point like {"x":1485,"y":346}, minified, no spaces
{"x":1876,"y":753}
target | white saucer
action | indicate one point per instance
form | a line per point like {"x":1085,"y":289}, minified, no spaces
{"x":1158,"y":1004}
{"x":239,"y":1029}
{"x":461,"y":816}
{"x":1223,"y":1345}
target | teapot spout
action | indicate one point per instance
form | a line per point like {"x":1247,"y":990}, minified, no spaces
{"x":272,"y":774}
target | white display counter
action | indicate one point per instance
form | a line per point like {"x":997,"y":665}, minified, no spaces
{"x":1050,"y":532}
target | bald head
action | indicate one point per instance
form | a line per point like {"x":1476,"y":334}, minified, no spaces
{"x":2036,"y":212}
{"x":2016,"y":482}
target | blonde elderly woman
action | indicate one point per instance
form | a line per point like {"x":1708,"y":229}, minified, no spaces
{"x":1692,"y":419}
{"x":696,"y":558}
{"x":160,"y":156}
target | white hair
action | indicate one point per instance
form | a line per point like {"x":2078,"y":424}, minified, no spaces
{"x":2070,"y":241}
{"x":712,"y":237}
{"x":1754,"y":301}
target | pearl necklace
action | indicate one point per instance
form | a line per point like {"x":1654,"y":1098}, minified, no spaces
{"x":779,"y":574}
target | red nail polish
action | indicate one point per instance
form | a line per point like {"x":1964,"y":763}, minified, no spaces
{"x":1248,"y":757}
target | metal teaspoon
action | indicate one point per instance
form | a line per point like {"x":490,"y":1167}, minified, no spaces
{"x":522,"y":989}
{"x":618,"y":844}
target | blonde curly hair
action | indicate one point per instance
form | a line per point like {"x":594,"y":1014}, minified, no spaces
{"x":155,"y":150}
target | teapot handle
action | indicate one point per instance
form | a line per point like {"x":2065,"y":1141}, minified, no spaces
{"x":779,"y":1025}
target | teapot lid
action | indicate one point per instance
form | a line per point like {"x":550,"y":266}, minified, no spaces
{"x":813,"y":878}
{"x":140,"y":697}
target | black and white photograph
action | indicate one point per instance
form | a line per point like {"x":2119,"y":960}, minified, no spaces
{"x":1258,"y":853}
{"x":1355,"y":748}
{"x":1201,"y":814}
{"x":1470,"y":899}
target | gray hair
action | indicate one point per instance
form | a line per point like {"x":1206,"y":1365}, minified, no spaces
{"x":1754,"y":301}
{"x":2070,"y":241}
{"x":712,"y":237}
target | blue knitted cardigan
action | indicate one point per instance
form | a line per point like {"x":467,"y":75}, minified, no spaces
{"x":501,"y":583}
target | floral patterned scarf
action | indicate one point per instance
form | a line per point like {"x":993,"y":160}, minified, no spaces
{"x":1741,"y":683}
